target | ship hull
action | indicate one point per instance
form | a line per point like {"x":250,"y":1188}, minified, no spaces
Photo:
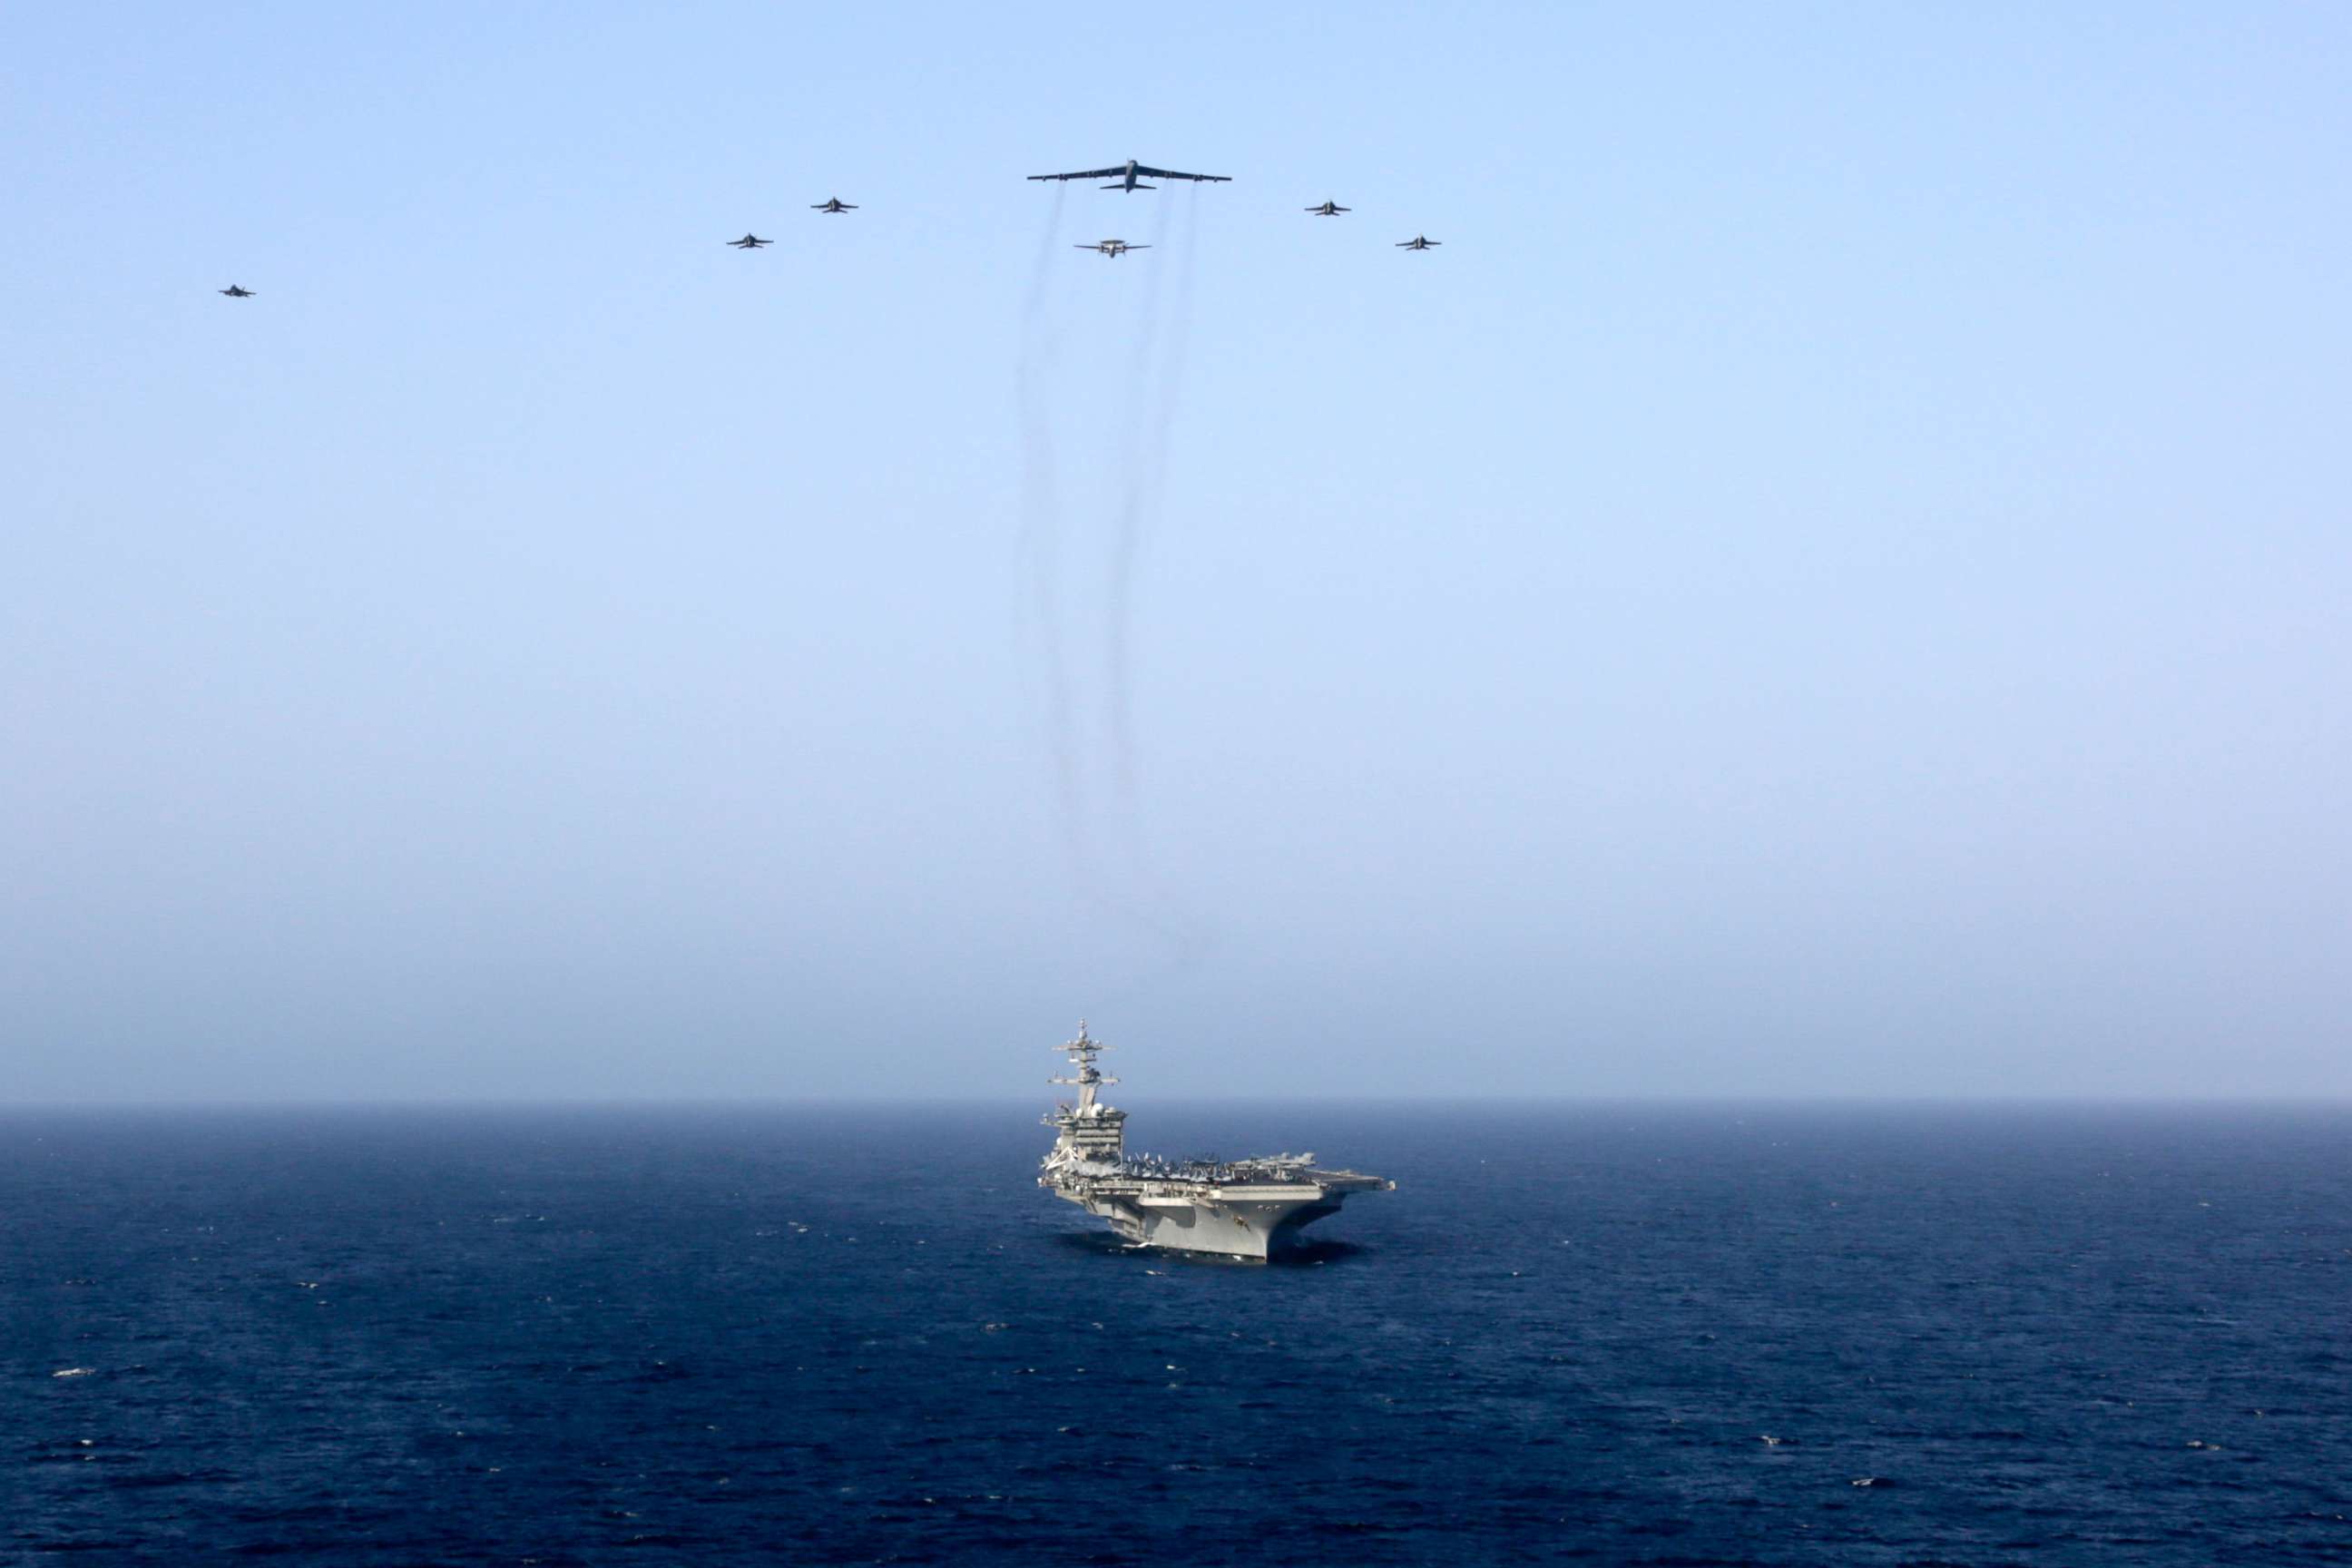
{"x":1233,"y":1226}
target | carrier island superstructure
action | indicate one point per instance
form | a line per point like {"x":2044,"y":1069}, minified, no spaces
{"x":1242,"y":1208}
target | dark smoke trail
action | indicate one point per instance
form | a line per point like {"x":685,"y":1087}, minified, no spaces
{"x":1040,"y":539}
{"x":1172,"y":369}
{"x":1147,"y":433}
{"x":1153,"y":389}
{"x":1090,"y":825}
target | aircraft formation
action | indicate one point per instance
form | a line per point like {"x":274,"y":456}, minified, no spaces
{"x":1129,"y":176}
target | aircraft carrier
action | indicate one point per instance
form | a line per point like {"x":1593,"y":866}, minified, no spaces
{"x":1242,"y":1209}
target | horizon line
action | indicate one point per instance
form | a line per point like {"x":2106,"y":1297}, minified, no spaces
{"x":2055,"y":1100}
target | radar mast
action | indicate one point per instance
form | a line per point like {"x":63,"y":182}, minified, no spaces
{"x":1081,"y":1053}
{"x":1090,"y":1129}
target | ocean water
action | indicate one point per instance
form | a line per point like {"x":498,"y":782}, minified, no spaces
{"x":862,"y":1335}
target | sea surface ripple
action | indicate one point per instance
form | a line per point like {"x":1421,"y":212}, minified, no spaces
{"x":1593,"y":1334}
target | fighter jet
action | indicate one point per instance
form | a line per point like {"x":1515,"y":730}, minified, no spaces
{"x":833,"y":204}
{"x":750,"y":242}
{"x":1419,"y":242}
{"x":1112,"y":248}
{"x":1125,"y":176}
{"x":1330,"y":210}
{"x":234,"y":292}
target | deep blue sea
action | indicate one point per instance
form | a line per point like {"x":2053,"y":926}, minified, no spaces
{"x":862,"y":1335}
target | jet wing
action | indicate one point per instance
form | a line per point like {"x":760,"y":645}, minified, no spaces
{"x":1179,"y":174}
{"x":1087,"y":174}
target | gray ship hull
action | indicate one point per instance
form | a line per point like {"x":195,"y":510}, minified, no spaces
{"x":1256,"y":1224}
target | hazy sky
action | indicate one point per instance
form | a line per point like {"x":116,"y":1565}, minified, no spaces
{"x":1832,"y":581}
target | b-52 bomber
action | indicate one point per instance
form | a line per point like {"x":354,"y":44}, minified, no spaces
{"x":1330,"y":210}
{"x":833,"y":205}
{"x":234,"y":292}
{"x":1111,"y":247}
{"x":1419,"y":242}
{"x":750,"y":242}
{"x":1125,"y":176}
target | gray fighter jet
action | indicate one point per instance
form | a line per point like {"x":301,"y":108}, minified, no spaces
{"x":234,"y":292}
{"x":1330,"y":210}
{"x":1112,"y":248}
{"x":1419,"y":242}
{"x":750,"y":242}
{"x":1124,"y":176}
{"x":833,"y":204}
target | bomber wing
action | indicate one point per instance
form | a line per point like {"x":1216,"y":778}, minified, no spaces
{"x":1179,"y":174}
{"x":1087,"y":174}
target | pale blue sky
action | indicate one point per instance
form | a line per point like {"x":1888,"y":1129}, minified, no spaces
{"x":1834,"y":580}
